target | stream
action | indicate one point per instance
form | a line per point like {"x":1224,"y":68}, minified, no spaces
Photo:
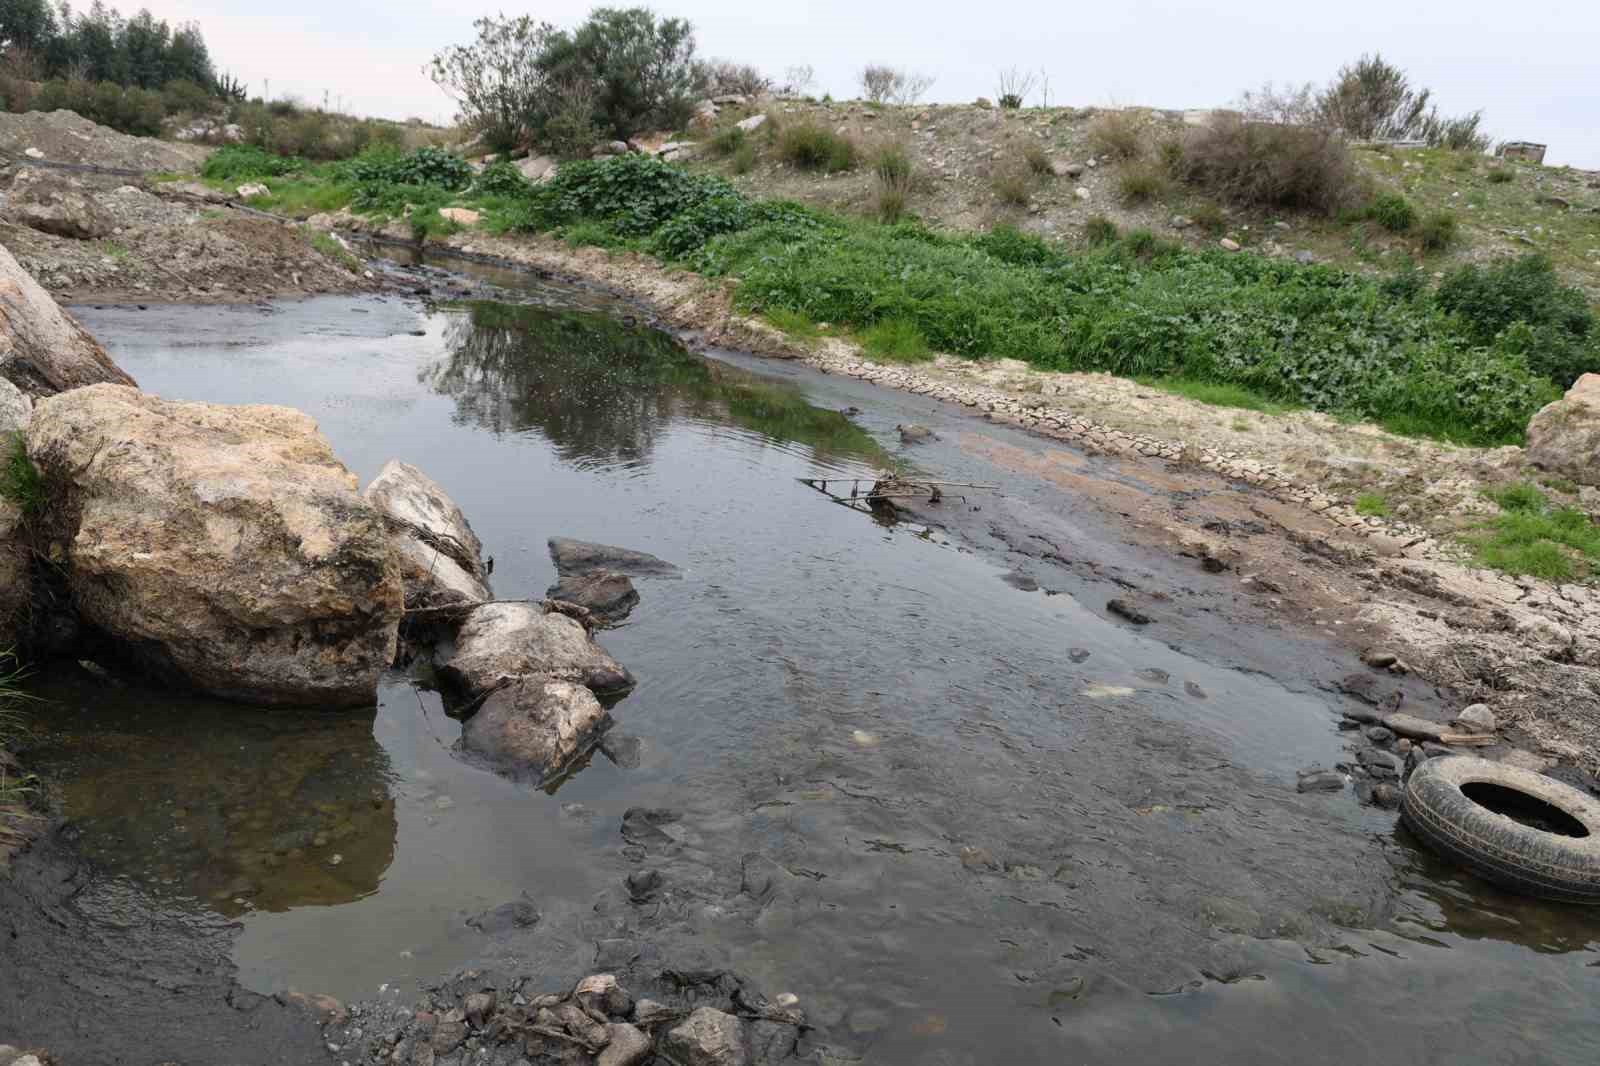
{"x":1011,"y":828}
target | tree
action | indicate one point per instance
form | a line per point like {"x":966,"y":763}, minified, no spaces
{"x":1372,"y":99}
{"x":498,"y":82}
{"x":642,"y":67}
{"x":143,"y":49}
{"x":26,"y":25}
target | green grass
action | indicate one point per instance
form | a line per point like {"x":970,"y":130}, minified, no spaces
{"x":1531,"y":538}
{"x":329,"y":246}
{"x":1372,"y":505}
{"x":1218,"y":394}
{"x":115,"y":252}
{"x":794,"y":324}
{"x":896,"y":340}
{"x":20,"y":480}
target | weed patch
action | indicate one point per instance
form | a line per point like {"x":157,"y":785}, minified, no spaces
{"x":896,"y":340}
{"x":811,"y":146}
{"x":1372,"y":505}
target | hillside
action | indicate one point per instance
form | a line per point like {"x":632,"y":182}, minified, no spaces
{"x":959,"y":150}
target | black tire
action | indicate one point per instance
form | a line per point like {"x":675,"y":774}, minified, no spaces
{"x":1532,"y":861}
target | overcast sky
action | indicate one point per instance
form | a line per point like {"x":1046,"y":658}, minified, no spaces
{"x":1533,"y":66}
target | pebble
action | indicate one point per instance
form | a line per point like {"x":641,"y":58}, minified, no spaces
{"x":1229,"y":244}
{"x":1320,"y":781}
{"x":864,"y":738}
{"x":1477,"y":718}
{"x":1378,"y":659}
{"x":1081,"y":193}
{"x":1377,"y":734}
{"x":1380,"y":763}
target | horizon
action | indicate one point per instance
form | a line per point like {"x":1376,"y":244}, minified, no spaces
{"x":301,"y":51}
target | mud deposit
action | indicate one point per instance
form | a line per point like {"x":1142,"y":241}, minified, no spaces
{"x":918,"y":776}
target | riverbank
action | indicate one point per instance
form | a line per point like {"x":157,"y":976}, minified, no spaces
{"x":1528,"y":648}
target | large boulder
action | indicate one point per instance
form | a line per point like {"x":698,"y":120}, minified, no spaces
{"x":535,"y":727}
{"x":506,"y":641}
{"x":43,"y":350}
{"x":441,"y":558}
{"x":53,"y":203}
{"x":224,"y":547}
{"x":1564,"y":437}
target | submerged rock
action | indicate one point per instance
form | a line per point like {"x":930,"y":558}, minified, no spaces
{"x":536,"y":727}
{"x":607,"y":595}
{"x":516,"y":914}
{"x":223,"y":547}
{"x":581,"y":556}
{"x":516,"y":640}
{"x":43,"y":350}
{"x":441,"y":558}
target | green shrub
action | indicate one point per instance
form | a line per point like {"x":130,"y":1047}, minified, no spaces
{"x":891,"y":164}
{"x":1271,"y":165}
{"x":246,"y":162}
{"x":1209,"y":217}
{"x":1520,"y":306}
{"x":1372,"y":505}
{"x":1438,"y":231}
{"x":812,"y":146}
{"x":128,"y":110}
{"x":501,"y":178}
{"x":1100,"y":230}
{"x":20,"y":480}
{"x":1169,"y":154}
{"x":1010,"y":245}
{"x":1522,"y":496}
{"x":427,"y":166}
{"x":1117,"y":134}
{"x":744,"y":158}
{"x":1392,"y":211}
{"x":1502,"y":174}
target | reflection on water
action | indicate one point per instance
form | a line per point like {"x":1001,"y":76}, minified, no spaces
{"x":240,"y":807}
{"x":603,"y":389}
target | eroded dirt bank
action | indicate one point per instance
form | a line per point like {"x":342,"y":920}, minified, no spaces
{"x":1527,"y":648}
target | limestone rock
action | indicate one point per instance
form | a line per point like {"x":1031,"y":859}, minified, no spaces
{"x":627,"y":1047}
{"x":537,"y":168}
{"x":607,"y":595}
{"x":751,"y":124}
{"x":43,"y":350}
{"x":16,"y":408}
{"x":1228,"y":244}
{"x":1477,"y":718}
{"x":1564,"y":436}
{"x":52,"y":203}
{"x":514,"y":640}
{"x":441,"y":558}
{"x":250,"y":190}
{"x":224,"y":547}
{"x":461,"y":216}
{"x":707,"y":1038}
{"x":600,"y":996}
{"x":581,"y":556}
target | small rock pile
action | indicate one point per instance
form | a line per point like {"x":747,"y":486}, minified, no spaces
{"x":699,"y":1019}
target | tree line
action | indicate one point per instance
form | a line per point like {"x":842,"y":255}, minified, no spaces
{"x":42,"y":41}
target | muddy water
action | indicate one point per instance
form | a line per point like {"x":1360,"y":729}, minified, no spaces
{"x":1015,"y":830}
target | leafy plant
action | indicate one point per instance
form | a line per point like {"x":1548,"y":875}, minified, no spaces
{"x":501,"y":178}
{"x":245,"y":162}
{"x":1392,"y":211}
{"x":1099,"y":229}
{"x":1522,"y":306}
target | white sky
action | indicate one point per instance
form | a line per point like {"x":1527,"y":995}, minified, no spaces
{"x":1533,"y":66}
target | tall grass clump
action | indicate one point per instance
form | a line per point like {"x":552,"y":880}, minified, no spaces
{"x":1392,"y":211}
{"x":1117,"y":134}
{"x":15,"y":786}
{"x":1268,"y":164}
{"x":812,"y":146}
{"x":892,"y":170}
{"x":1013,"y":184}
{"x":1037,"y":158}
{"x":1438,"y":230}
{"x":1140,"y":183}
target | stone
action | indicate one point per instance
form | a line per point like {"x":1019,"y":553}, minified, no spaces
{"x":251,"y":189}
{"x":222,"y":547}
{"x":1228,"y":244}
{"x":1377,"y":734}
{"x":1477,"y":718}
{"x":1081,"y":193}
{"x":626,"y":752}
{"x":54,"y":204}
{"x":1380,"y":763}
{"x":441,"y":558}
{"x":1564,"y":436}
{"x":751,"y":124}
{"x":647,"y":1012}
{"x":43,"y":350}
{"x":644,"y":885}
{"x":461,"y":216}
{"x":628,"y":1046}
{"x":1320,"y":781}
{"x":1386,"y":795}
{"x":1304,"y":258}
{"x":1072,"y":170}
{"x":642,"y":825}
{"x":1409,"y":725}
{"x":16,"y":408}
{"x":479,"y":1007}
{"x":1128,"y":611}
{"x":537,"y":168}
{"x":707,"y":1037}
{"x":608,"y":596}
{"x":535,"y":727}
{"x":611,"y":148}
{"x":983,"y":102}
{"x":516,"y":640}
{"x":506,"y":918}
{"x":581,"y":556}
{"x":600,"y":996}
{"x":1379,"y":659}
{"x":910,"y":433}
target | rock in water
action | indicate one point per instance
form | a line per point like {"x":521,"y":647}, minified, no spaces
{"x":607,"y":595}
{"x":224,"y":547}
{"x":55,"y":204}
{"x":513,"y":640}
{"x":43,"y":350}
{"x":535,"y":727}
{"x":441,"y":559}
{"x":581,"y":556}
{"x":707,"y":1038}
{"x":1564,"y":437}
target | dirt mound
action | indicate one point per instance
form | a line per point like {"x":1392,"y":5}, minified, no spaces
{"x":66,"y":137}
